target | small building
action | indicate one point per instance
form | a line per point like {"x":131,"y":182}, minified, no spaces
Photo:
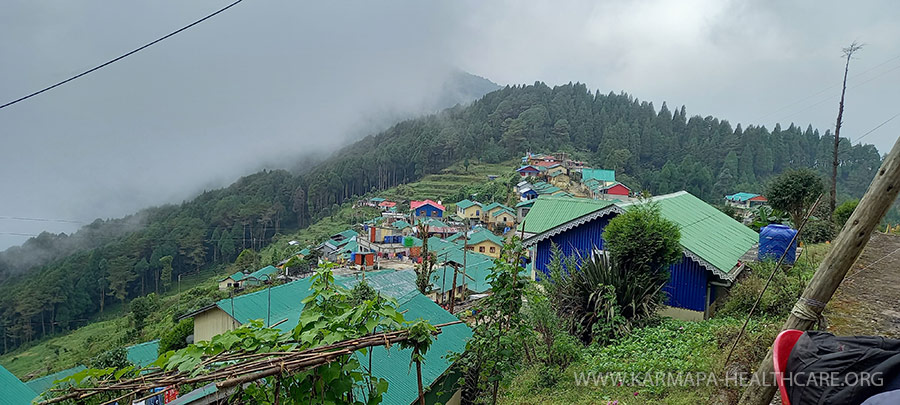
{"x":712,"y":242}
{"x":426,"y":209}
{"x":502,"y":218}
{"x":467,"y":209}
{"x":745,"y":200}
{"x":556,"y":169}
{"x":232,"y":281}
{"x":485,"y":242}
{"x":529,"y":170}
{"x":602,"y":175}
{"x":616,"y":190}
{"x":386,"y":205}
{"x":522,"y":209}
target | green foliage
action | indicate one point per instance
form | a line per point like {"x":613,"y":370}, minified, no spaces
{"x":501,"y":328}
{"x":842,"y":212}
{"x":779,"y":298}
{"x":166,"y":273}
{"x":115,"y":358}
{"x":764,"y":215}
{"x":642,"y":241}
{"x":141,"y":308}
{"x":247,"y":260}
{"x":176,"y":337}
{"x":794,"y":191}
{"x":817,"y":230}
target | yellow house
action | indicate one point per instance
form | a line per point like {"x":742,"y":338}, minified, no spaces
{"x":555,"y":170}
{"x":502,"y":218}
{"x":491,"y":210}
{"x":210,"y":321}
{"x":485,"y":242}
{"x":468,"y":209}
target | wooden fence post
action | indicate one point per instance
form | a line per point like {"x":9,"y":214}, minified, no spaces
{"x":844,"y":251}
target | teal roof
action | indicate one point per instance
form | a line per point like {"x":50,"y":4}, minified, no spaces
{"x":15,"y":392}
{"x":236,"y":276}
{"x":467,"y":203}
{"x":143,"y":354}
{"x":376,"y":199}
{"x":42,"y":384}
{"x":549,"y":212}
{"x":494,"y":205}
{"x":526,"y":203}
{"x":741,"y":197}
{"x":508,"y":211}
{"x":263,"y":273}
{"x":482,"y":235}
{"x":433,"y":223}
{"x":478,"y":267}
{"x":401,"y":224}
{"x":391,"y":364}
{"x":598,"y":174}
{"x":707,"y":232}
{"x":346,"y":234}
{"x":303,"y":252}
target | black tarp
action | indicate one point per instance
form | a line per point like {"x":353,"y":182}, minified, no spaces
{"x":827,"y":369}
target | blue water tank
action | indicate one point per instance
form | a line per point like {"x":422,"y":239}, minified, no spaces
{"x":774,"y":240}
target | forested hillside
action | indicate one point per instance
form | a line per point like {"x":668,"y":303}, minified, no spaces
{"x":655,"y":150}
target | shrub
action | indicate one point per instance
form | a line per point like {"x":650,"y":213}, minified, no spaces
{"x":842,"y":212}
{"x":176,"y":337}
{"x":641,"y":240}
{"x":779,"y":298}
{"x":817,"y":230}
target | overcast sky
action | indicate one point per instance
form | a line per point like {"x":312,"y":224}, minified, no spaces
{"x":269,"y":80}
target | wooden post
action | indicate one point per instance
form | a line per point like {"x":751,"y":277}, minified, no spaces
{"x":453,"y":291}
{"x":844,"y":251}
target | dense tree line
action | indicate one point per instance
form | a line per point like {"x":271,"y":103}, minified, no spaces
{"x":658,"y":150}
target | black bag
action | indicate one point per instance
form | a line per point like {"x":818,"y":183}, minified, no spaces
{"x":827,"y":369}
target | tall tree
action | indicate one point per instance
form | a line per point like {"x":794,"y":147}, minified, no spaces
{"x":848,"y":54}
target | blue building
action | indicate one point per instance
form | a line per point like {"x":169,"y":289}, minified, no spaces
{"x":426,"y":209}
{"x":712,"y":243}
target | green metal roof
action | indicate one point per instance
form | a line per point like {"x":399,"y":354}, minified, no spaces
{"x":15,"y":392}
{"x":39,"y":385}
{"x":376,"y":199}
{"x":393,"y":364}
{"x":482,"y":235}
{"x":303,"y":252}
{"x":467,"y":203}
{"x":143,"y":354}
{"x":705,"y":231}
{"x":264,"y":273}
{"x":526,"y":203}
{"x":390,"y":364}
{"x":549,"y":212}
{"x":494,"y":205}
{"x":401,"y":224}
{"x":598,"y":174}
{"x":504,"y":209}
{"x":741,"y":197}
{"x":433,"y":223}
{"x":236,"y":276}
{"x":346,"y":234}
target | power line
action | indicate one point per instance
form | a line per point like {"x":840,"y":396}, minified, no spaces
{"x":876,"y":127}
{"x":98,"y":67}
{"x":67,"y":221}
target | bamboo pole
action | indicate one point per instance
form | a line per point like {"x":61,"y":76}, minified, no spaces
{"x":844,"y":251}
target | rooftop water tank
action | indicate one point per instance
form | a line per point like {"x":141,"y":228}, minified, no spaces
{"x":774,"y":240}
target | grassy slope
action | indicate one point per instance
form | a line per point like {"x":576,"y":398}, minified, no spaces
{"x":674,"y":346}
{"x":109,"y":329}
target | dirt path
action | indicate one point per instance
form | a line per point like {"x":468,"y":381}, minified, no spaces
{"x":868,"y":300}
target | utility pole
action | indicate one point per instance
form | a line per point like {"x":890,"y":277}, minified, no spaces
{"x":453,"y":291}
{"x":848,"y":54}
{"x":845,"y":250}
{"x":465,"y":251}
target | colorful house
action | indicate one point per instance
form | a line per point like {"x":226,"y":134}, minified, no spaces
{"x":467,"y":209}
{"x":485,"y":242}
{"x":712,"y":243}
{"x":602,"y":175}
{"x":556,"y":169}
{"x":745,"y":200}
{"x":616,"y":190}
{"x":426,"y":209}
{"x":502,"y":218}
{"x":529,"y":170}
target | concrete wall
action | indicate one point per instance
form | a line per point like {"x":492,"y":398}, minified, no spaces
{"x":487,"y":245}
{"x":211,"y":323}
{"x":682,"y":314}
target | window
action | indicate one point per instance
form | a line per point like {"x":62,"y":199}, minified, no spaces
{"x":481,"y":249}
{"x":477,"y":213}
{"x":493,"y":249}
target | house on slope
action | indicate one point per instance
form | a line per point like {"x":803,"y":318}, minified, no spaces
{"x":530,"y":170}
{"x":426,"y":209}
{"x":283,"y":304}
{"x":242,"y":280}
{"x":499,"y":216}
{"x":745,"y":201}
{"x":712,"y":243}
{"x":485,"y":242}
{"x":467,"y":209}
{"x":13,"y":391}
{"x":601,"y":175}
{"x":522,"y":209}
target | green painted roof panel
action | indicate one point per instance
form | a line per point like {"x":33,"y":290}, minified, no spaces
{"x":598,"y":174}
{"x":39,"y":385}
{"x":15,"y":392}
{"x":143,"y":354}
{"x":549,"y":212}
{"x":467,"y":203}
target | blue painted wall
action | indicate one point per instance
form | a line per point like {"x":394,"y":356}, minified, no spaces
{"x":687,"y":280}
{"x":428,"y":211}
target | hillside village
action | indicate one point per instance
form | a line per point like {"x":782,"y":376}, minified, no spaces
{"x":561,"y":204}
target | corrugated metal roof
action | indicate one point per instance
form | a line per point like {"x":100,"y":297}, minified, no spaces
{"x":549,"y":212}
{"x":467,"y":203}
{"x":401,"y":224}
{"x":482,"y":235}
{"x":598,"y":174}
{"x":503,"y":210}
{"x":494,"y":205}
{"x":393,"y":364}
{"x":526,"y":203}
{"x":741,"y":197}
{"x":39,"y":385}
{"x":705,"y":231}
{"x":143,"y":354}
{"x":15,"y":392}
{"x":263,"y":273}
